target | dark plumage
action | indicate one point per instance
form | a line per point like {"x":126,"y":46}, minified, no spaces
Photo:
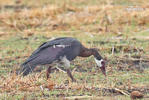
{"x":64,"y":50}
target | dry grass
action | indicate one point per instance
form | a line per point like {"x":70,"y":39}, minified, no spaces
{"x":117,"y":29}
{"x":94,"y":19}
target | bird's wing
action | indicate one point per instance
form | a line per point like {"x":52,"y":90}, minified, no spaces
{"x":44,"y":56}
{"x":55,"y":52}
{"x":48,"y":47}
{"x":57,"y":41}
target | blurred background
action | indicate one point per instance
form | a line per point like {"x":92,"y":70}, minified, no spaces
{"x":118,"y":28}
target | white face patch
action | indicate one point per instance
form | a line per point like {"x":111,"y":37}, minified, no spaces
{"x":99,"y":62}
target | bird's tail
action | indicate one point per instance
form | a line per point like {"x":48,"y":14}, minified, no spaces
{"x":25,"y":69}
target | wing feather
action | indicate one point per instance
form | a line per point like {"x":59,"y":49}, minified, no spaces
{"x":45,"y":56}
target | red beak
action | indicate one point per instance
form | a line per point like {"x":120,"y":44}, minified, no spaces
{"x":103,"y":69}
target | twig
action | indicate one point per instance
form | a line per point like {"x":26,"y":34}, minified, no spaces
{"x":74,"y":70}
{"x":122,"y":92}
{"x":133,"y":59}
{"x":60,"y":69}
{"x":42,"y":90}
{"x":79,"y":97}
{"x":112,"y":50}
{"x":40,"y":74}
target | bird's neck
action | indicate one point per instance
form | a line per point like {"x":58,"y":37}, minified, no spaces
{"x":85,"y":52}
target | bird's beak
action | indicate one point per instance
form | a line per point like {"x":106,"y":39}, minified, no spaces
{"x":103,"y":69}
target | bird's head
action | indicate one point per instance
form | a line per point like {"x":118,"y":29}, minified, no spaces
{"x":101,"y":64}
{"x":99,"y":61}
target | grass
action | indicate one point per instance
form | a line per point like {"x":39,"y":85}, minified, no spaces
{"x":120,"y":35}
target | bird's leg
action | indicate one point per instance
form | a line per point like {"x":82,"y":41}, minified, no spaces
{"x":48,"y":71}
{"x":67,"y":65}
{"x":70,"y":75}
